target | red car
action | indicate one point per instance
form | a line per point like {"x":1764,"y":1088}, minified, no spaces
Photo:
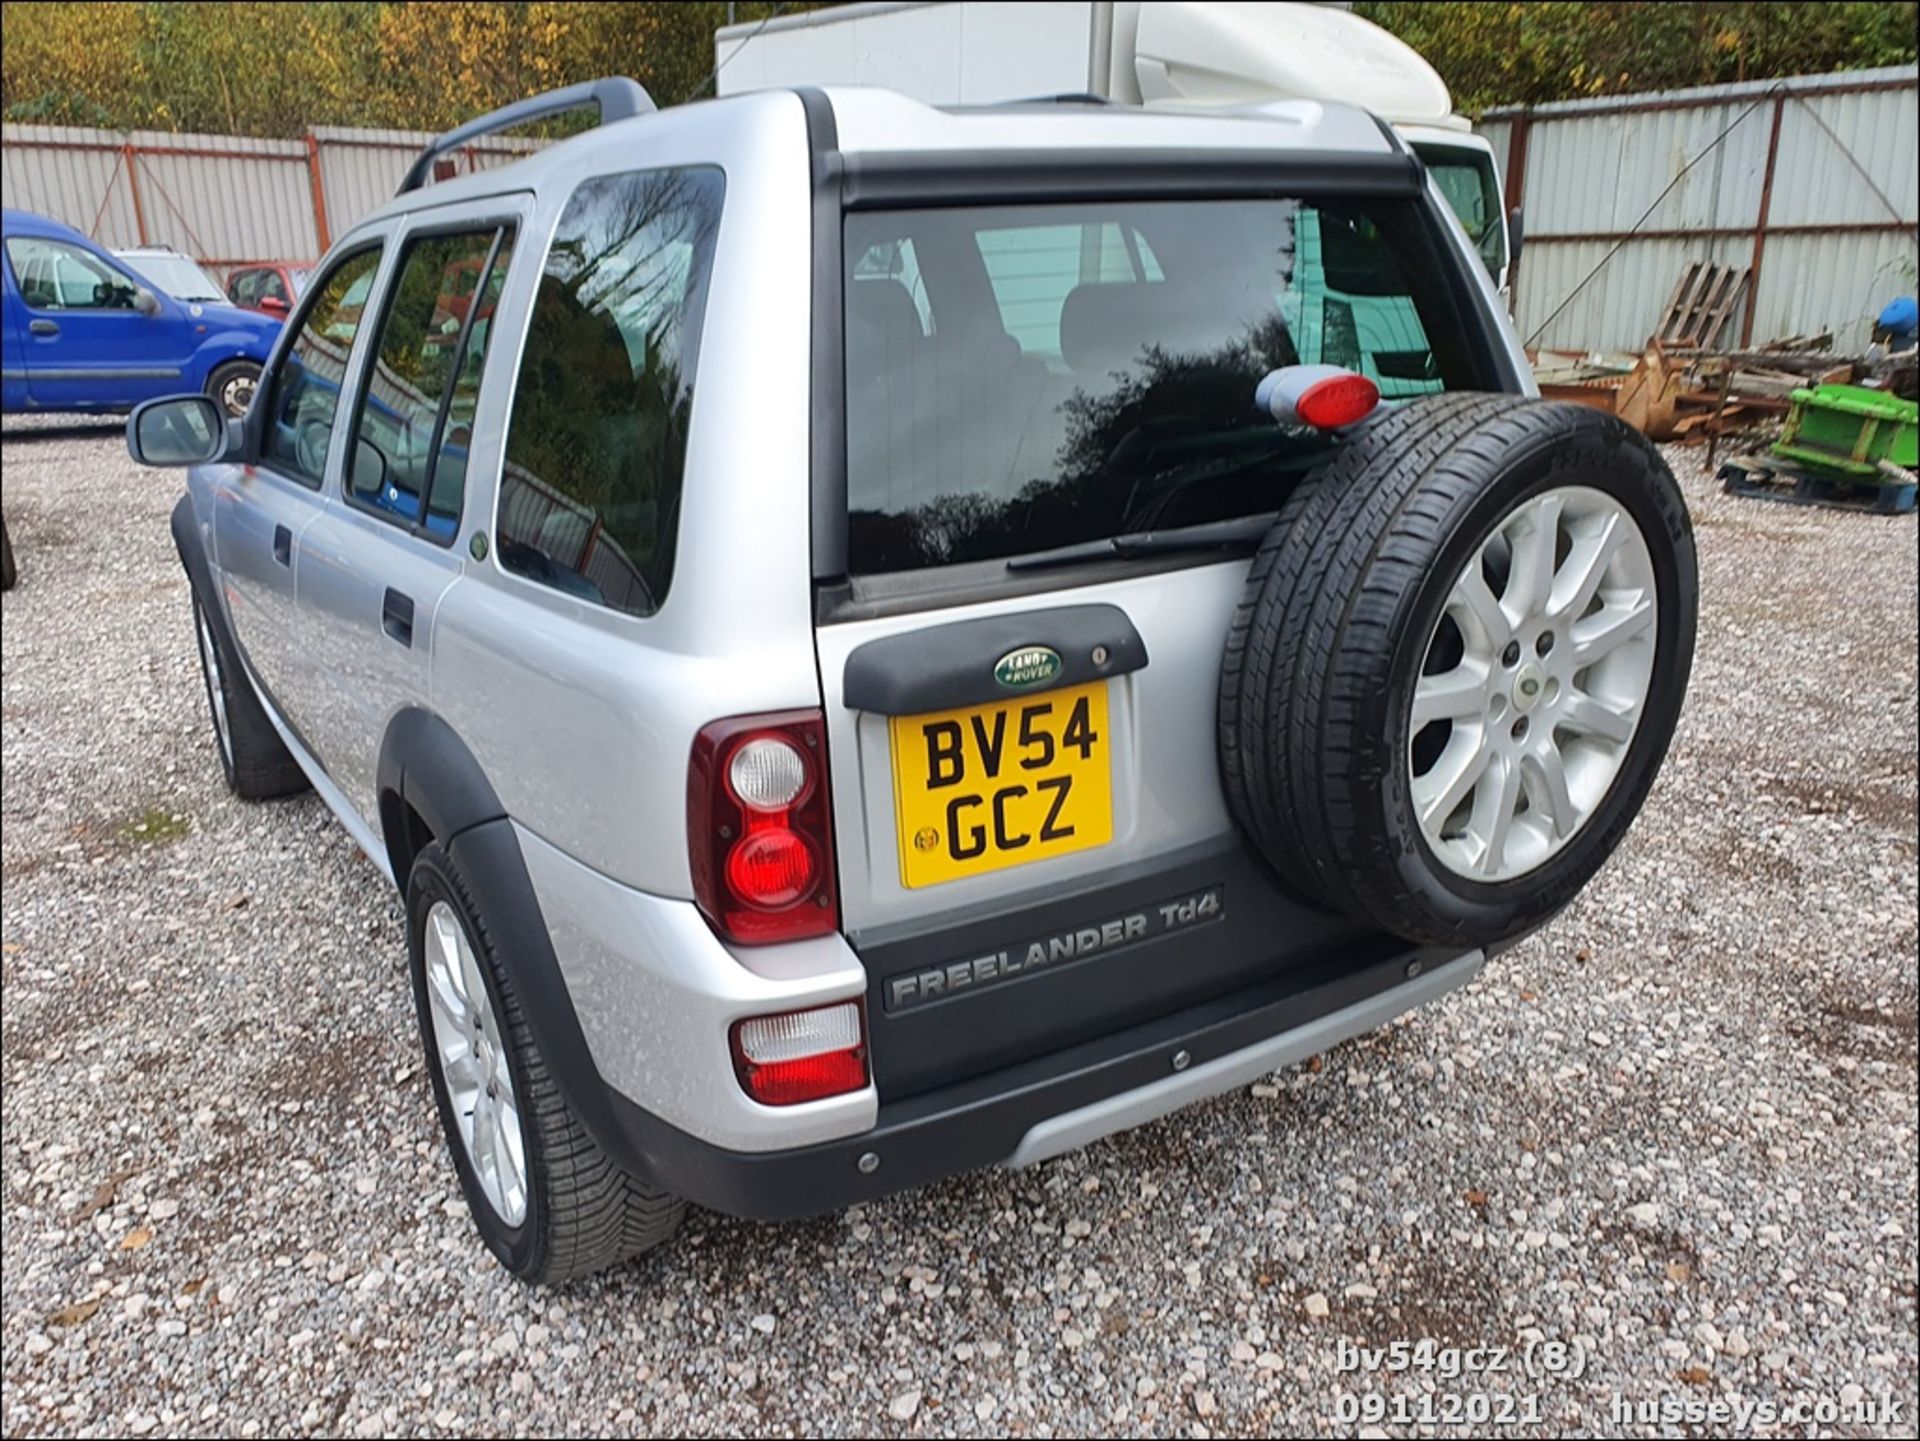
{"x":271,"y":288}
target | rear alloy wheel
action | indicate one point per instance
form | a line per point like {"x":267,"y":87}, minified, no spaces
{"x":472,"y":1058}
{"x":1458,"y":663}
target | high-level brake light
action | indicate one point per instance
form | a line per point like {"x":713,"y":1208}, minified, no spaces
{"x":1325,"y":397}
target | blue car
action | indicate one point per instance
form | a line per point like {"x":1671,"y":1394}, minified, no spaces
{"x":82,"y":332}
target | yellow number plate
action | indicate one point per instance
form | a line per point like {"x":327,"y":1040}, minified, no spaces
{"x":998,"y":785}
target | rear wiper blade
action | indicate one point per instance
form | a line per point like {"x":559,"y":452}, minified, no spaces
{"x":1241,"y":534}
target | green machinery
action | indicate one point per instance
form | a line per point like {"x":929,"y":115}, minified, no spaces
{"x":1841,"y":445}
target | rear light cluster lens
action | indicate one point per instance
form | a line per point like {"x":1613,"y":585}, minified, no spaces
{"x":761,"y":843}
{"x":802,"y":1055}
{"x":767,"y":774}
{"x":770,"y":869}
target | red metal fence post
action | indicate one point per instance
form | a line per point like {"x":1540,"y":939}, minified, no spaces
{"x":1516,"y":190}
{"x":1760,"y":223}
{"x":133,"y":188}
{"x":319,"y":194}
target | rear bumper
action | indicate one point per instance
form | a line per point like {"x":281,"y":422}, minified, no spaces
{"x":1031,"y":1112}
{"x":630,"y":999}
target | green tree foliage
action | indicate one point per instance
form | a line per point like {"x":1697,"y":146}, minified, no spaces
{"x":1493,"y":52}
{"x":260,"y":68}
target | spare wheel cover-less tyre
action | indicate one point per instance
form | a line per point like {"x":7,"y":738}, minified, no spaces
{"x":1458,"y":664}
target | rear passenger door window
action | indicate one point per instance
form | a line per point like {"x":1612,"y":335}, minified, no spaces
{"x":414,"y":423}
{"x":304,"y":395}
{"x":596,"y":446}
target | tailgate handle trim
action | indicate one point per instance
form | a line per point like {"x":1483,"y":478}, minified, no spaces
{"x":952,"y":666}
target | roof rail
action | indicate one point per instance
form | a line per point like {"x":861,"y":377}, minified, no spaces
{"x":618,"y":98}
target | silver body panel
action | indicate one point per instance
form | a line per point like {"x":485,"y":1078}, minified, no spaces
{"x":248,"y":505}
{"x":583,"y":719}
{"x":658,"y":993}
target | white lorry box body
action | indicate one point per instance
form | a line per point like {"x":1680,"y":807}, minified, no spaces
{"x":1188,"y":53}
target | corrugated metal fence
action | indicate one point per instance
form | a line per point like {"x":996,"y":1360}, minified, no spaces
{"x":1813,"y":184}
{"x":224,"y":199}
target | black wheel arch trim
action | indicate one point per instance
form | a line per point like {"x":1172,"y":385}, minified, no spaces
{"x":424,"y":763}
{"x":185,"y":526}
{"x":188,"y":541}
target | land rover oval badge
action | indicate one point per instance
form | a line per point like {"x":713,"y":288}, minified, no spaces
{"x":1027,"y":667}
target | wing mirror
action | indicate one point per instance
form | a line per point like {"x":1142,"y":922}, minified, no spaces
{"x":181,"y":430}
{"x":1516,"y":232}
{"x":145,"y":301}
{"x":274,"y":305}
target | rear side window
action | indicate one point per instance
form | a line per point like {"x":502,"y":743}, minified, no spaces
{"x":1466,"y":180}
{"x":305,"y":393}
{"x":1061,"y":374}
{"x":596,"y":448}
{"x":415,"y":421}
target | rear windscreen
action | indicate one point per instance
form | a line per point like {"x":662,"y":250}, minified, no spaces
{"x":1022,"y":378}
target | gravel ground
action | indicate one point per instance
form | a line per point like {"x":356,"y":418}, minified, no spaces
{"x":1675,"y":1131}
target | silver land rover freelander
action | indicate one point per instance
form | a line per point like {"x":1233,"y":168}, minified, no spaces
{"x":877,"y":641}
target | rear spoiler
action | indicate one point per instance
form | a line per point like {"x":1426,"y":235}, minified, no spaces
{"x":617,"y":97}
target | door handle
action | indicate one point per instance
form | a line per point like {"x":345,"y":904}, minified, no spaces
{"x":396,"y":616}
{"x":283,"y":545}
{"x":43,"y":327}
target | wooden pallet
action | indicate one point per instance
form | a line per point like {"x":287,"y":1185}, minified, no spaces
{"x":1701,"y":305}
{"x":1764,"y":478}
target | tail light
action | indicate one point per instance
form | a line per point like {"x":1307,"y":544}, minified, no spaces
{"x":760,"y":841}
{"x":801,"y":1055}
{"x":1325,"y":397}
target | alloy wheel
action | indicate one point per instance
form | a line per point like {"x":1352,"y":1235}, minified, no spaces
{"x":1534,"y":682}
{"x":473,"y":1063}
{"x":216,"y":681}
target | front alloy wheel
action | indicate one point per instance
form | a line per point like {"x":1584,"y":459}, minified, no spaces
{"x":216,"y":684}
